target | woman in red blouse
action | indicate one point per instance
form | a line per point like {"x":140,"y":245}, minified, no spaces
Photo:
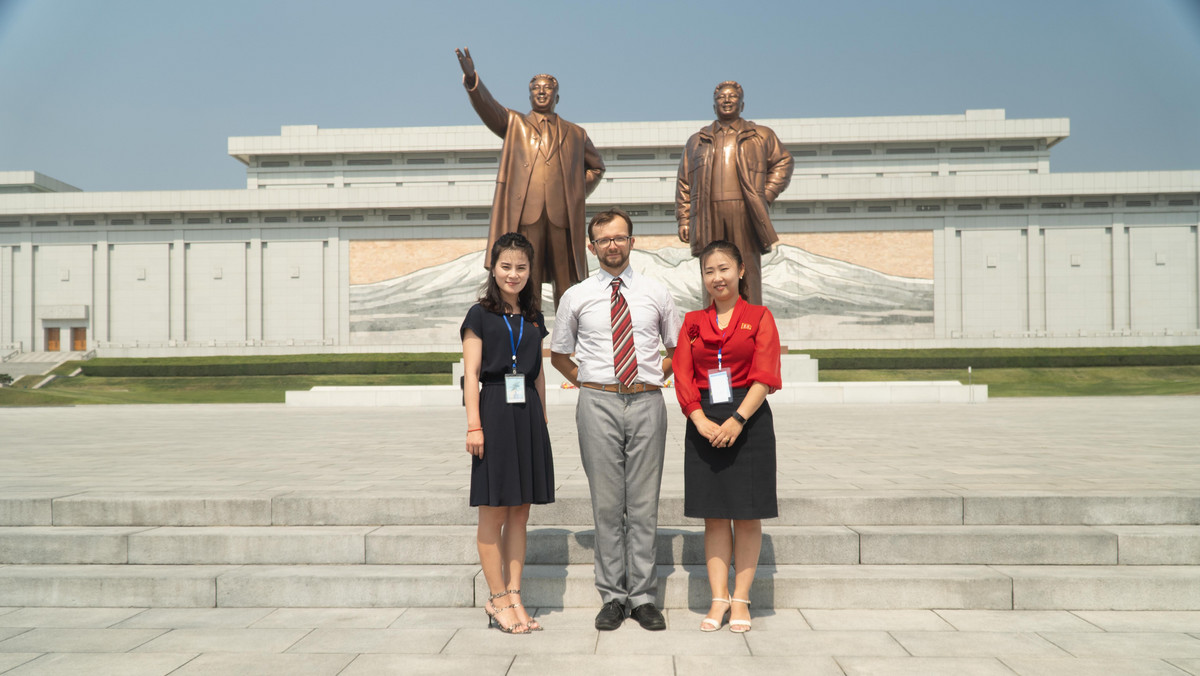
{"x":726,"y":362}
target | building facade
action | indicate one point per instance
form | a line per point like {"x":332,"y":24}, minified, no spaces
{"x":946,"y":230}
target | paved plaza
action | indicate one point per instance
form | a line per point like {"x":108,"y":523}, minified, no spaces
{"x":1102,"y":446}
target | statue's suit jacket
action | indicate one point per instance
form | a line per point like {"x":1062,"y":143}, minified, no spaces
{"x":764,"y":169}
{"x":581,"y":165}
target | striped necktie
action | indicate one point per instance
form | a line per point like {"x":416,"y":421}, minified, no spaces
{"x":624,"y":359}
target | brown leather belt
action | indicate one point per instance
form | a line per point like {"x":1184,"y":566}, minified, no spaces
{"x":637,"y":388}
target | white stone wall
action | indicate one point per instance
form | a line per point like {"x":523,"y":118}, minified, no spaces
{"x":215,"y":291}
{"x":140,"y":293}
{"x":293,"y":291}
{"x":1162,"y":277}
{"x":1078,"y":280}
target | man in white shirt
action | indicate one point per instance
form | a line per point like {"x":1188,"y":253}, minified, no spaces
{"x":614,"y":322}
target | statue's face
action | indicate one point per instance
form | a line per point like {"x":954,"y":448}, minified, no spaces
{"x":543,"y":95}
{"x":728,"y":104}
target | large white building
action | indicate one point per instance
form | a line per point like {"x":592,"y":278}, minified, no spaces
{"x":945,"y":230}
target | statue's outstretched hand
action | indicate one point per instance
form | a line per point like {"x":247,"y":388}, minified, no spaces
{"x":467,"y":64}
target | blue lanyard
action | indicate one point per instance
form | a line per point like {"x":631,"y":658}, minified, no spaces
{"x":517,"y":341}
{"x":717,"y":325}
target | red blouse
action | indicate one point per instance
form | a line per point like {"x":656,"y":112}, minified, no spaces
{"x":750,"y":350}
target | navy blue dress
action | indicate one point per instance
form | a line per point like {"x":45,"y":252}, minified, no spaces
{"x":517,"y":467}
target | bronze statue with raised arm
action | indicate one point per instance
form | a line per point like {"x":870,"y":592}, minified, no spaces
{"x":548,"y":166}
{"x":730,"y":173}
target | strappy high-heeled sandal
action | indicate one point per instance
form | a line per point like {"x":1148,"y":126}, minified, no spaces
{"x":739,"y":626}
{"x":709,"y":624}
{"x":494,"y":613}
{"x":532,"y":623}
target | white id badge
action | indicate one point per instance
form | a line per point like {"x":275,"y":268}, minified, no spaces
{"x":514,"y":388}
{"x":719,"y":389}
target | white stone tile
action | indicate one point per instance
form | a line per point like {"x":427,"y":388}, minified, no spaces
{"x":102,"y":664}
{"x":430,"y":665}
{"x":1015,"y":620}
{"x":67,"y":617}
{"x":10,"y":660}
{"x":224,"y":640}
{"x":78,"y":640}
{"x":874,"y":620}
{"x":1189,"y":665}
{"x":1111,"y":644}
{"x":416,"y":641}
{"x":633,"y":640}
{"x":494,"y":642}
{"x":759,"y":665}
{"x":922,"y":666}
{"x":592,"y":665}
{"x":193,"y":618}
{"x":332,"y":618}
{"x":1137,"y":620}
{"x":1070,"y":666}
{"x":975,"y":644}
{"x":431,"y":618}
{"x":241,"y":664}
{"x":832,"y":643}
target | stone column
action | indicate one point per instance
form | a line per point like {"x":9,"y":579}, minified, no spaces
{"x":178,"y":274}
{"x":1121,"y":319}
{"x":254,"y":286}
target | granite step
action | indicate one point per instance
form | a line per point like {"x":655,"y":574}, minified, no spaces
{"x":806,"y":508}
{"x":903,"y":587}
{"x":781,"y":586}
{"x":185,"y":586}
{"x":562,"y":544}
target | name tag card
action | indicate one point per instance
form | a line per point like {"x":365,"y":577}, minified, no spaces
{"x":514,"y":388}
{"x":720,"y":390}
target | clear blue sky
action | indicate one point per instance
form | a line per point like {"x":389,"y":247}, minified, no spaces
{"x":142,"y":94}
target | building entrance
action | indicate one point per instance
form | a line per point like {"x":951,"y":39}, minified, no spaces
{"x":52,"y":340}
{"x":79,"y":339}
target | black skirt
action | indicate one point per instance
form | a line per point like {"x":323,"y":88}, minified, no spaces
{"x":736,"y":482}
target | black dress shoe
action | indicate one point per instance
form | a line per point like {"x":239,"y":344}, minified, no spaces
{"x":611,"y":616}
{"x":649,"y":617}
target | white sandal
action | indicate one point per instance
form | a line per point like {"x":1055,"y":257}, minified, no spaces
{"x":735,"y":624}
{"x":709,"y":624}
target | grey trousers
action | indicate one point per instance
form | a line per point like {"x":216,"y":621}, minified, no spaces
{"x":622,"y":438}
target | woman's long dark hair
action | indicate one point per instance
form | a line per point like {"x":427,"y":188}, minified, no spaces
{"x":729,"y":249}
{"x":529,"y":299}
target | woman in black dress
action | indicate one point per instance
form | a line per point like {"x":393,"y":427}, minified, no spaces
{"x":505,"y":393}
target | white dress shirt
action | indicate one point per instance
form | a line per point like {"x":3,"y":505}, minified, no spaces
{"x":583,"y":325}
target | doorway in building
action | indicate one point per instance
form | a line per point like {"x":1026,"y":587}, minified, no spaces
{"x":52,"y":340}
{"x":79,"y":339}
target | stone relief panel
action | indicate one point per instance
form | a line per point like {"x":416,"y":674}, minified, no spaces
{"x":829,"y":286}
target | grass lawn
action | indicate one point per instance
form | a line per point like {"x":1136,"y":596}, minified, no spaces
{"x":1183,"y":379}
{"x":229,"y":390}
{"x":1059,"y":382}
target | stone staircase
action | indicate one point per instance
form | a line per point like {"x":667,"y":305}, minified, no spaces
{"x":38,"y":363}
{"x":902,"y":549}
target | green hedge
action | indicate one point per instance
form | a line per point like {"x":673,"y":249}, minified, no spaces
{"x":834,"y":360}
{"x":288,"y":365}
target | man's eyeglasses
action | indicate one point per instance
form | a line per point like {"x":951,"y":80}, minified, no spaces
{"x":605,"y":241}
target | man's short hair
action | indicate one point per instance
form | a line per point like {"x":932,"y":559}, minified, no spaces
{"x":730,"y":83}
{"x":545,"y":76}
{"x":605,"y":217}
